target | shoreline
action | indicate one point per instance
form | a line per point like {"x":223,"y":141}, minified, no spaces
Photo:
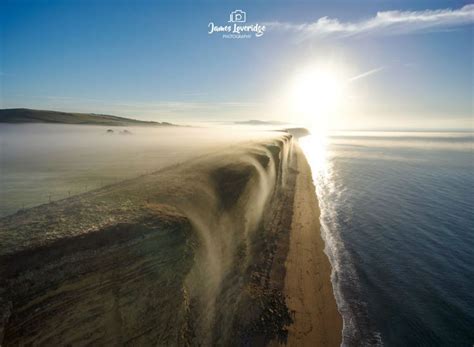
{"x":308,"y":288}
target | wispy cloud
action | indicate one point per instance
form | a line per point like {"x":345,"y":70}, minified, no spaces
{"x":153,"y":110}
{"x":166,"y":105}
{"x":383,"y":23}
{"x":366,"y":74}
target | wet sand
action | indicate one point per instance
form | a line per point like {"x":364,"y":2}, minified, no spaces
{"x":308,"y":289}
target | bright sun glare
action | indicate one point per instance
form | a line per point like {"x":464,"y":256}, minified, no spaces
{"x":316,"y":94}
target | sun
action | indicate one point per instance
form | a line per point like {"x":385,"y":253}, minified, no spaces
{"x":316,"y":94}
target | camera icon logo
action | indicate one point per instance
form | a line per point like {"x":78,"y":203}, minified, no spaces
{"x":238,"y":16}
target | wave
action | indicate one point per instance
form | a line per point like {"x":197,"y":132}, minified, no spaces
{"x":397,"y":222}
{"x":357,"y":329}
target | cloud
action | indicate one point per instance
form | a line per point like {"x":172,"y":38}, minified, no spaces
{"x":153,"y":110}
{"x":366,"y":74}
{"x":384,"y":23}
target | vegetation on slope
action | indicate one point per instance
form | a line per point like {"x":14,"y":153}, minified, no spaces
{"x":24,"y":115}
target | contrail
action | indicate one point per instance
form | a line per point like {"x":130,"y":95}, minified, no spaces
{"x":365,"y":74}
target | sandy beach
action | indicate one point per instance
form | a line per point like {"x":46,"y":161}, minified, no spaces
{"x":308,"y":289}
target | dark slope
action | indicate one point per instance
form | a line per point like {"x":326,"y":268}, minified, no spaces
{"x":24,"y":115}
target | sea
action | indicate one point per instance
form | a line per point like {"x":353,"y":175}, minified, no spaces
{"x":397,"y":216}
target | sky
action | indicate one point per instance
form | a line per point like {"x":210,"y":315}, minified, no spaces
{"x":399,"y":64}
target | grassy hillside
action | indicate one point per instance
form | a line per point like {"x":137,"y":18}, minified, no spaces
{"x":24,"y":115}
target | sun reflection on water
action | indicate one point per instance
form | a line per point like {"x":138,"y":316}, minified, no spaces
{"x":314,"y":147}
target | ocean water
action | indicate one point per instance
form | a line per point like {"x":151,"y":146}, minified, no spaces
{"x":397,"y":218}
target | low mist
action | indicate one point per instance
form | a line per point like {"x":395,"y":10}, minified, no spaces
{"x":41,"y":163}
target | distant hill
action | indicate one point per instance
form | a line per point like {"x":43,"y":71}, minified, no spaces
{"x":24,"y":115}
